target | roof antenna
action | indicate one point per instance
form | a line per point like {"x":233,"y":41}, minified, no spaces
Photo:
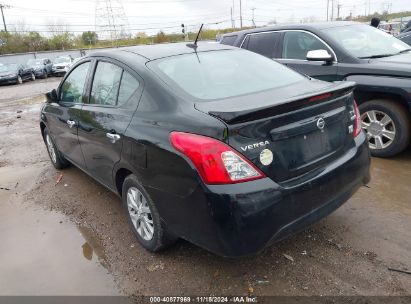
{"x":194,"y":45}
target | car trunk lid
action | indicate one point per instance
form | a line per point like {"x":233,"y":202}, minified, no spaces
{"x":289,"y":138}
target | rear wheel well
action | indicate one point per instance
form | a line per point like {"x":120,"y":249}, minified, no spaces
{"x":120,"y":177}
{"x":362,"y":97}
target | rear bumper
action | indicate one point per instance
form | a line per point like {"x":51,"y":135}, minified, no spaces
{"x":59,"y":72}
{"x":62,"y":71}
{"x":242,"y":219}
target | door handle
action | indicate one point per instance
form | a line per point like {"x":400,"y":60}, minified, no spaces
{"x":113,"y":137}
{"x":71,"y":123}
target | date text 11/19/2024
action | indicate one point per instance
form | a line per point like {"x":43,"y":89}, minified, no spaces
{"x":205,"y":299}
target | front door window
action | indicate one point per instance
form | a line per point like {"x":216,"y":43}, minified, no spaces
{"x":296,"y":45}
{"x":73,"y":87}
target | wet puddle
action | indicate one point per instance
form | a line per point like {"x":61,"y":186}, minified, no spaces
{"x":42,"y":252}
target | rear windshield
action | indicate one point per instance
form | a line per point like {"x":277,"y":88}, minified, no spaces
{"x":228,"y":40}
{"x":222,"y":74}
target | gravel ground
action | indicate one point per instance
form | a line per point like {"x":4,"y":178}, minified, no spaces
{"x":348,"y":253}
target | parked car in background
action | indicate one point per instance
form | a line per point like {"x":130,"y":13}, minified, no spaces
{"x":42,"y":67}
{"x":378,"y":62}
{"x":210,"y":143}
{"x":405,"y":37}
{"x":75,"y":60}
{"x":393,"y":28}
{"x":61,"y":65}
{"x":15,"y":73}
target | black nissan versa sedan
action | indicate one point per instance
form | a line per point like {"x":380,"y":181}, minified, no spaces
{"x":213,"y":144}
{"x":379,"y":63}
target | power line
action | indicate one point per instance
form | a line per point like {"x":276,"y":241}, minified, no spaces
{"x":140,"y":29}
{"x":130,"y":24}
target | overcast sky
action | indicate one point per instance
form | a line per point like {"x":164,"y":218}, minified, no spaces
{"x":153,"y":15}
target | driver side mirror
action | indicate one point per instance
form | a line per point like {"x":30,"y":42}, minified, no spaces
{"x":319,"y":55}
{"x":52,"y":96}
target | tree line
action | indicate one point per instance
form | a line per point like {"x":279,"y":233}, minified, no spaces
{"x":33,"y":41}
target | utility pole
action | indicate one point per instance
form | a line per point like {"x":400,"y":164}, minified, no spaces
{"x":241,"y":17}
{"x":110,"y":20}
{"x":2,"y":14}
{"x":338,"y":11}
{"x":253,"y":9}
{"x":232,"y":21}
{"x":332,"y":10}
{"x":328,"y":5}
{"x":233,"y":13}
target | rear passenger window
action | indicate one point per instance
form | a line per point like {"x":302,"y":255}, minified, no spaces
{"x":128,"y":87}
{"x":106,"y":84}
{"x":262,"y":43}
{"x":229,"y":40}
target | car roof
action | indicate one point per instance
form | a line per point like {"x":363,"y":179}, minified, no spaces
{"x":156,"y":51}
{"x":303,"y":26}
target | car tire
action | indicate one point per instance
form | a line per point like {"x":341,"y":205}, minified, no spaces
{"x":45,"y":74}
{"x":57,"y":159}
{"x":33,"y":77}
{"x":136,"y":200}
{"x":19,"y":80}
{"x":388,"y":120}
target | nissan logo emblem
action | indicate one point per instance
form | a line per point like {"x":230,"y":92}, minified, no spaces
{"x":320,"y":123}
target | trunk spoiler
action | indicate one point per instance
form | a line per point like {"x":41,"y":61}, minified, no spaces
{"x":244,"y":108}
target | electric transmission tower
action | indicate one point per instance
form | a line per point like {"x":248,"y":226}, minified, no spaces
{"x":111,"y":21}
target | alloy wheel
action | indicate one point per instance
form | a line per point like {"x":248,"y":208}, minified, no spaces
{"x":33,"y":77}
{"x":50,"y":148}
{"x":380,"y":129}
{"x":140,"y":213}
{"x":19,"y":79}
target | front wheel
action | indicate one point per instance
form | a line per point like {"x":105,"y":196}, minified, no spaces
{"x":57,"y":159}
{"x":19,"y":80}
{"x":33,"y":77}
{"x":387,"y":125}
{"x":45,"y":74}
{"x":143,"y":216}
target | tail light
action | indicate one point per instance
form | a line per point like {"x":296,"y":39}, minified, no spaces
{"x":357,"y":122}
{"x":216,"y":162}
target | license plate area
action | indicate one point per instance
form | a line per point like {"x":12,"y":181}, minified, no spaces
{"x":302,"y":150}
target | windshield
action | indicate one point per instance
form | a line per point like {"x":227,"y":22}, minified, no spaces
{"x":365,"y":41}
{"x":62,"y":60}
{"x":33,"y":62}
{"x":221,"y":74}
{"x":8,"y":68}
